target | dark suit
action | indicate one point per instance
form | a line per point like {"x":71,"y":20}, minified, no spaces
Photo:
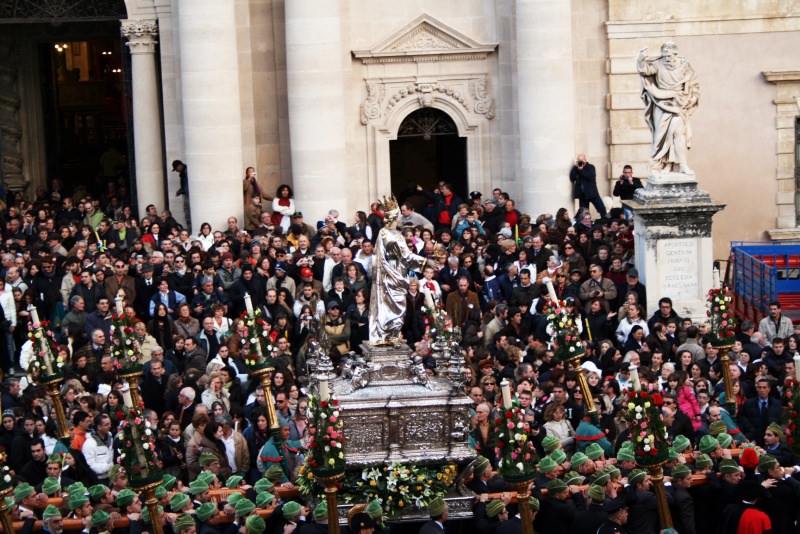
{"x":752,"y":423}
{"x":143,"y":295}
{"x":683,"y":510}
{"x":185,"y":415}
{"x":153,"y":392}
{"x":431,"y":527}
{"x":512,"y":526}
{"x":584,"y":187}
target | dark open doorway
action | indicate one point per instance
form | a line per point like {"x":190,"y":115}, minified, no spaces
{"x":428,"y":150}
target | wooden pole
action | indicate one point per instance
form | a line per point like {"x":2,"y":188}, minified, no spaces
{"x":523,"y":492}
{"x":664,"y":515}
{"x":329,"y":482}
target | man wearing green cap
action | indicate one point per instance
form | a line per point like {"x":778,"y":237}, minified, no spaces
{"x":52,"y":521}
{"x":291,"y":512}
{"x":27,"y":499}
{"x":54,"y":468}
{"x":184,"y":524}
{"x":128,"y":502}
{"x":437,"y":509}
{"x":682,"y":501}
{"x":375,"y":511}
{"x":625,"y":462}
{"x":206,"y":514}
{"x":80,"y":506}
{"x":590,"y":519}
{"x":484,"y":479}
{"x":775,"y":446}
{"x":101,"y":521}
{"x":320,"y":523}
{"x":557,"y":512}
{"x":181,"y":503}
{"x":488,"y":515}
{"x":643,"y":513}
{"x":255,"y":525}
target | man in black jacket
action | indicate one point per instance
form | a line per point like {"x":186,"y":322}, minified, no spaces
{"x":626,"y":186}
{"x":584,"y":185}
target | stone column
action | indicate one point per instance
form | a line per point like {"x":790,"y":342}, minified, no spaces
{"x":141,"y":35}
{"x":546,"y":104}
{"x":211,"y":112}
{"x":315,"y":69}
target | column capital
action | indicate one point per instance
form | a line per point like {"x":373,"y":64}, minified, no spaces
{"x":141,"y":35}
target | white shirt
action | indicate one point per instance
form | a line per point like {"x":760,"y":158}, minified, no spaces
{"x":230,"y":452}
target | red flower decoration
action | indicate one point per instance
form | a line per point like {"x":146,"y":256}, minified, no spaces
{"x":658,"y":399}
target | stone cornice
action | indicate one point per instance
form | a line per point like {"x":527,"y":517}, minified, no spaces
{"x":632,"y":29}
{"x":141,"y":35}
{"x":781,"y":76}
{"x":425,"y":39}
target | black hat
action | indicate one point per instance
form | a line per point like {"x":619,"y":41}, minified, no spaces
{"x":297,"y":214}
{"x":612,"y":506}
{"x":175,"y":164}
{"x":147,"y":268}
{"x":573,"y":271}
{"x":361,"y":520}
{"x":475,"y":194}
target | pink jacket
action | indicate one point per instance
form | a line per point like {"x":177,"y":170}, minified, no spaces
{"x":688,"y":405}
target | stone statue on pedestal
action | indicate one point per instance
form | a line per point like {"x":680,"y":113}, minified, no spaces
{"x":393,"y":260}
{"x":671,"y":93}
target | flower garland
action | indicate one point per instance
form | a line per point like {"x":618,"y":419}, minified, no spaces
{"x":257,"y":346}
{"x":648,"y":432}
{"x":326,"y":447}
{"x":5,"y":472}
{"x":721,"y":317}
{"x":397,"y":486}
{"x":125,"y":350}
{"x":790,"y":413}
{"x":137,"y":453}
{"x":564,"y":329}
{"x":44,"y":349}
{"x":516,"y":453}
{"x":438,"y":324}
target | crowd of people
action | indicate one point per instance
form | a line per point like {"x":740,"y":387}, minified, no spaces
{"x":72,"y":254}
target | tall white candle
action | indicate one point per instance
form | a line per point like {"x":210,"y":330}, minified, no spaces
{"x":324,"y":392}
{"x":637,"y":386}
{"x":126,"y":396}
{"x":34,"y":316}
{"x":118,"y":302}
{"x":428,"y":300}
{"x":506,"y":389}
{"x":716,"y":279}
{"x":797,"y":367}
{"x":248,"y":304}
{"x":551,"y":290}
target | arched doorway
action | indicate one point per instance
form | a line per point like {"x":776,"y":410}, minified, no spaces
{"x":428,"y":150}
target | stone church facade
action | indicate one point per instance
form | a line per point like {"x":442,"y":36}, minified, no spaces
{"x":317,"y":94}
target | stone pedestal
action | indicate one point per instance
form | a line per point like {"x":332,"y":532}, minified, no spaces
{"x":395,"y":419}
{"x":674,"y":253}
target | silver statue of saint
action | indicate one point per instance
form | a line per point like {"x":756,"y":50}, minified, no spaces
{"x":393,"y":261}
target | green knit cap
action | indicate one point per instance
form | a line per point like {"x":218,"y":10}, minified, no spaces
{"x":76,"y":501}
{"x":597,"y":493}
{"x":290,"y":510}
{"x":169,"y":482}
{"x":233,"y":482}
{"x":672,"y":454}
{"x":235,"y":497}
{"x":321,"y":511}
{"x":725,"y":440}
{"x":708,"y":444}
{"x":274,"y":473}
{"x":703,"y":461}
{"x":100,"y":518}
{"x":205,"y":511}
{"x":207,"y":458}
{"x":547,"y":464}
{"x":550,"y":443}
{"x":728,"y":467}
{"x":125,"y":498}
{"x":264,"y":499}
{"x":178,"y":502}
{"x":680,"y":471}
{"x":767,"y":462}
{"x":636,"y":476}
{"x":207,"y":477}
{"x":115,"y":471}
{"x":494,"y":508}
{"x":51,"y":486}
{"x":374,"y":509}
{"x":50,"y":512}
{"x":717,"y":427}
{"x":556,"y":486}
{"x":437,"y":507}
{"x":22,"y":491}
{"x":613,"y":472}
{"x":776,"y":429}
{"x":533,"y":504}
{"x":244,"y":507}
{"x":625,"y":455}
{"x":263,"y":484}
{"x":183,"y":522}
{"x":559,"y":456}
{"x":97,"y":492}
{"x":255,"y":525}
{"x":160,"y":492}
{"x":681,"y":443}
{"x":594,"y":451}
{"x":601,"y":478}
{"x":480,"y":467}
{"x":196,"y":487}
{"x":573,"y":478}
{"x":578,"y":459}
{"x":76,"y":487}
